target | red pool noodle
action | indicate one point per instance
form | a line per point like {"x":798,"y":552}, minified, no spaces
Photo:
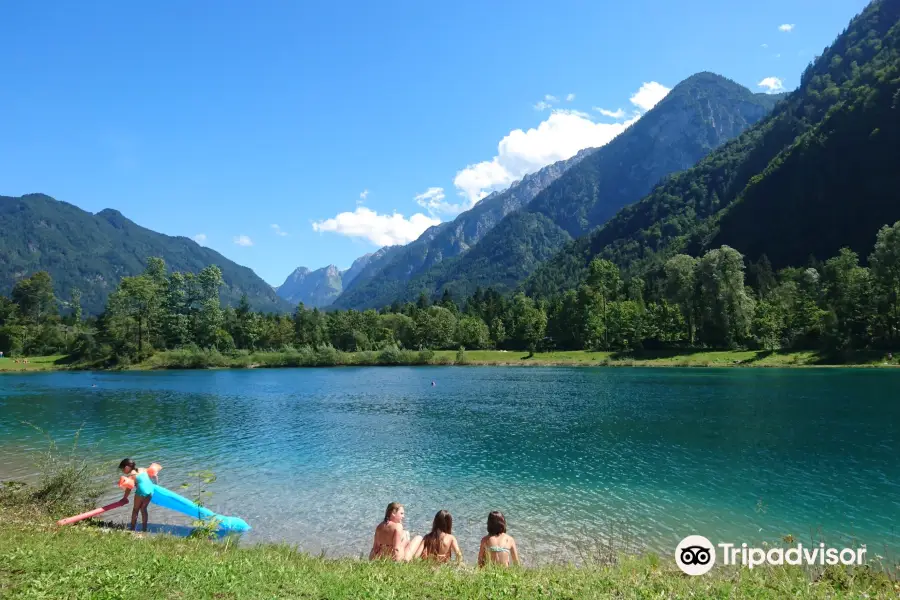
{"x":92,"y":513}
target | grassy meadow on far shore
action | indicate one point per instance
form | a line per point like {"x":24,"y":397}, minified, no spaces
{"x":329,"y":357}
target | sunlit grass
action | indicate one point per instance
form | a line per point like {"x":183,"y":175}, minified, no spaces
{"x":39,"y":560}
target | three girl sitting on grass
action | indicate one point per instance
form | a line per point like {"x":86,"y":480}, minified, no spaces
{"x":392,"y":541}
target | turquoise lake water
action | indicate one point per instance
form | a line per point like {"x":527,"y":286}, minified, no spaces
{"x":570,"y":455}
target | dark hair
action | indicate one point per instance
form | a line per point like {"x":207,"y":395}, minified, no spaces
{"x":391,"y":509}
{"x":127,"y":462}
{"x":443,"y":523}
{"x":496,"y":523}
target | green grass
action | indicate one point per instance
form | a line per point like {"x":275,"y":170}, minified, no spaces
{"x":39,"y":560}
{"x":35,"y":363}
{"x":329,"y":357}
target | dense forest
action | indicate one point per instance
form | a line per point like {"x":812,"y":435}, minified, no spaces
{"x":710,"y":301}
{"x":817,"y":174}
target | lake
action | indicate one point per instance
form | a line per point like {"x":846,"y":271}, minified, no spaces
{"x":570,"y":455}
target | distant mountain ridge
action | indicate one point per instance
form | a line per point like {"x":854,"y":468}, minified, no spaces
{"x":92,"y":252}
{"x":319,"y":288}
{"x":399,"y":264}
{"x":696,"y":116}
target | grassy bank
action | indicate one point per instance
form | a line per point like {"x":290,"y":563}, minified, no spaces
{"x":39,"y":560}
{"x":329,"y":357}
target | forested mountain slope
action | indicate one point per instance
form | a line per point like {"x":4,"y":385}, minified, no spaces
{"x":818,"y":174}
{"x":93,"y":252}
{"x":698,"y":115}
{"x":449,"y":239}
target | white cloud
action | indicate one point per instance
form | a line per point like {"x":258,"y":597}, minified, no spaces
{"x":613,"y":114}
{"x":570,"y":97}
{"x":242,"y":240}
{"x":433,"y":200}
{"x":363,"y":195}
{"x":787,"y":27}
{"x":763,"y":45}
{"x":550,"y":98}
{"x":381,"y":230}
{"x":559,"y":137}
{"x":200,"y":238}
{"x":542,"y":105}
{"x":278,"y":230}
{"x":777,"y":56}
{"x":772,"y":85}
{"x":649,"y":95}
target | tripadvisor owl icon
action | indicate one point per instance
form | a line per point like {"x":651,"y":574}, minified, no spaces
{"x":695,"y":555}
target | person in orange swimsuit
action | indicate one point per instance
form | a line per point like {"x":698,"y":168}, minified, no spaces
{"x":440,"y":543}
{"x":391,"y":541}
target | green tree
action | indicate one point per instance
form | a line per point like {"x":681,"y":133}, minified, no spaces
{"x":848,"y":293}
{"x":472,"y":333}
{"x":76,"y":305}
{"x":604,"y":279}
{"x":726,"y":308}
{"x":130,"y":310}
{"x":34,"y":297}
{"x":681,"y":289}
{"x":435,"y":328}
{"x":885,"y":264}
{"x":530,"y":323}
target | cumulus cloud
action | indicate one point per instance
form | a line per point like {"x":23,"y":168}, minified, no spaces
{"x":763,"y":45}
{"x":381,"y":230}
{"x":242,"y":240}
{"x":558,"y":137}
{"x":570,"y":97}
{"x":649,"y":95}
{"x":542,"y":105}
{"x":278,"y":230}
{"x":200,"y":238}
{"x":772,"y":84}
{"x":433,"y":200}
{"x":613,"y":114}
{"x":550,"y":98}
{"x":787,"y":27}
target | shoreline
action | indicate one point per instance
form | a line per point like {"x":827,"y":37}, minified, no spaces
{"x":44,"y":560}
{"x":207,"y":360}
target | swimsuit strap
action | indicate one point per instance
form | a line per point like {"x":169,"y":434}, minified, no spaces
{"x":497,"y":549}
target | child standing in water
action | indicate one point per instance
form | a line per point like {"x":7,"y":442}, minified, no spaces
{"x":497,"y":547}
{"x":140,"y":481}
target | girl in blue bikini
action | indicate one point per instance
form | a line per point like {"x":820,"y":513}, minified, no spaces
{"x":143,"y":489}
{"x":497,"y":547}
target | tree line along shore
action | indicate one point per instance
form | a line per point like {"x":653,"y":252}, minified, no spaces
{"x":711,"y":309}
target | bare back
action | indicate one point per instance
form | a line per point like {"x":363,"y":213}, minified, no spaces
{"x":447,"y":546}
{"x":499,"y":549}
{"x":388,"y":540}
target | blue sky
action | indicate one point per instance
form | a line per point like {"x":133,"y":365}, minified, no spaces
{"x":222,"y":120}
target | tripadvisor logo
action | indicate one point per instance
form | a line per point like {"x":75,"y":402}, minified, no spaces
{"x":696,"y":555}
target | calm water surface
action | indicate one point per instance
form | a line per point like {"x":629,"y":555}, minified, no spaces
{"x":570,"y":455}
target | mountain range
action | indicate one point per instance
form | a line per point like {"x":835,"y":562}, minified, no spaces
{"x":92,"y":252}
{"x":319,"y":288}
{"x":792,"y":177}
{"x":512,"y":232}
{"x":819,"y":173}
